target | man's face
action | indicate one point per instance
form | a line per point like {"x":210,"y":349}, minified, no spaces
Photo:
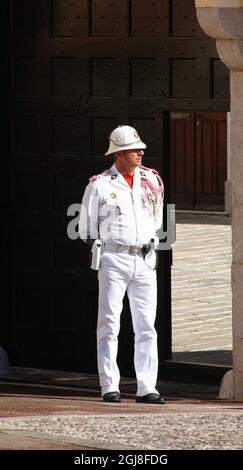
{"x":131,"y":158}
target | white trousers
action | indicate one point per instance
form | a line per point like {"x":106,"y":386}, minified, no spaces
{"x":121,"y":272}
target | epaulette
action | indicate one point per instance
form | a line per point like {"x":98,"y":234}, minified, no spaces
{"x":96,"y":177}
{"x":149,"y":169}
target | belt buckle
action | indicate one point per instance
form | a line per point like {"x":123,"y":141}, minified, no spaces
{"x":134,"y":250}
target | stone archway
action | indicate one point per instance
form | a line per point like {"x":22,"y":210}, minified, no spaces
{"x":223,"y":20}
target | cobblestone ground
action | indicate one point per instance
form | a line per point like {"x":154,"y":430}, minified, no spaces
{"x":180,"y":431}
{"x":201,"y":288}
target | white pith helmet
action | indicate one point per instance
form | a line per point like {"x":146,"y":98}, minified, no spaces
{"x":124,"y":138}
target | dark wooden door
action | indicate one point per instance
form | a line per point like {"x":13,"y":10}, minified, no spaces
{"x":198,"y":159}
{"x":79,"y":70}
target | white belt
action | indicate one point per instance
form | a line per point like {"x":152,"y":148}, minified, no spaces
{"x":118,"y":248}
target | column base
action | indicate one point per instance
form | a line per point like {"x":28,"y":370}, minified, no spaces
{"x":226,"y":387}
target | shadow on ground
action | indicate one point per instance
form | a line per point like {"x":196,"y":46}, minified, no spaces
{"x":220,"y":357}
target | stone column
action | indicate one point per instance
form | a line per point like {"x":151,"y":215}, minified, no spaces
{"x":223,"y":20}
{"x":228,"y":187}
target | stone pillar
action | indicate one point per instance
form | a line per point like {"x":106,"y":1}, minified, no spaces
{"x":228,"y":187}
{"x":223,"y":20}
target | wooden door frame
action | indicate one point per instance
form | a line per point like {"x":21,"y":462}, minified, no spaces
{"x":6,"y":300}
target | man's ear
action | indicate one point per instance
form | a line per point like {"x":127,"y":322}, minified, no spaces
{"x":118,"y":154}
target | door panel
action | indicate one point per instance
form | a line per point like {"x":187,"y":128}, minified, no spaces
{"x":182,"y":159}
{"x":198,"y":160}
{"x":211,"y":160}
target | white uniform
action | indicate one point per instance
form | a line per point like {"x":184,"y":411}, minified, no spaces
{"x":125,"y":219}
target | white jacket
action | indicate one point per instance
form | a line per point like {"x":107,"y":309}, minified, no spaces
{"x":114,"y":212}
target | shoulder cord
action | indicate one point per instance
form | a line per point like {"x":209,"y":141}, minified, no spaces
{"x":157,"y":191}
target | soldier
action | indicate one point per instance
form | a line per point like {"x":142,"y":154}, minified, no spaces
{"x":121,"y":215}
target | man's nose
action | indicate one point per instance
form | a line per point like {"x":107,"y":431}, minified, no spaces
{"x":140,"y":153}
